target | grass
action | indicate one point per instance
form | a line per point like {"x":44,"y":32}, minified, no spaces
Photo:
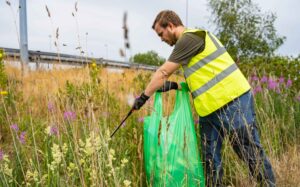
{"x":63,"y":119}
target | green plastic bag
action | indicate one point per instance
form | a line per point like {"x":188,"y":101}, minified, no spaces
{"x":170,"y":145}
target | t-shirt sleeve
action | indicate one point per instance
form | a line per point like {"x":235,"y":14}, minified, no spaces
{"x":187,"y":47}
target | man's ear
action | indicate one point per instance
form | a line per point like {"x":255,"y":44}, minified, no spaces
{"x":171,"y":25}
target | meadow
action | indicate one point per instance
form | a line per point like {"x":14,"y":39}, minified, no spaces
{"x":55,"y":128}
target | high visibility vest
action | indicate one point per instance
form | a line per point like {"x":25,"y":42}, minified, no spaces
{"x":213,"y":77}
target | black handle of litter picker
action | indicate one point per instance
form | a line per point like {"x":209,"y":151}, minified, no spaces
{"x":129,"y":113}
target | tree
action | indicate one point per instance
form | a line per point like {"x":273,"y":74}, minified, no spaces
{"x":244,"y":30}
{"x":149,"y":58}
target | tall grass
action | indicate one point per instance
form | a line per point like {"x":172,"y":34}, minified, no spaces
{"x":56,"y":126}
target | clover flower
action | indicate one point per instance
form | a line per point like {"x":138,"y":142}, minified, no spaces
{"x":281,"y":79}
{"x":14,"y":127}
{"x":264,"y":79}
{"x":69,"y":115}
{"x":289,"y":83}
{"x":22,"y":137}
{"x":51,"y":107}
{"x":272,"y":84}
{"x":51,"y":131}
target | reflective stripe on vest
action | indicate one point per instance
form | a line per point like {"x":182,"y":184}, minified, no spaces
{"x":213,"y":77}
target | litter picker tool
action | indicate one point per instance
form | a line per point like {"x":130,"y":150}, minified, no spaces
{"x":129,"y":113}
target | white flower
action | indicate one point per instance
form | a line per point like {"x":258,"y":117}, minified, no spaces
{"x":126,"y":183}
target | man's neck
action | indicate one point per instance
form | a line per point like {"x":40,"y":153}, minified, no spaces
{"x":179,"y":31}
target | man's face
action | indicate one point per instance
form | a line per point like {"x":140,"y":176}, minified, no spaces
{"x":166,"y":34}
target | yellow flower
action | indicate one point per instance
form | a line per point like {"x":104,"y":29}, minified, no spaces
{"x":1,"y":54}
{"x":3,"y":93}
{"x":94,"y":65}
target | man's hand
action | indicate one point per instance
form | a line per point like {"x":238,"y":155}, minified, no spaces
{"x":140,"y":101}
{"x":168,"y":85}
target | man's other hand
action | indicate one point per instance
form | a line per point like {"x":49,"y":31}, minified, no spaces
{"x":168,"y":85}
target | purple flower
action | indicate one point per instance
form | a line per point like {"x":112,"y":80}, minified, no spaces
{"x":257,"y":89}
{"x":123,"y":124}
{"x":141,"y":120}
{"x":196,"y":122}
{"x":289,"y":83}
{"x":254,"y":78}
{"x":69,"y":115}
{"x":278,"y":90}
{"x":50,"y":107}
{"x":1,"y":154}
{"x":281,"y":80}
{"x":53,"y":130}
{"x":14,"y":127}
{"x":264,"y":79}
{"x":272,"y":84}
{"x":22,"y":137}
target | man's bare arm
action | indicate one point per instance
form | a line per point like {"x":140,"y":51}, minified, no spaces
{"x":160,"y":76}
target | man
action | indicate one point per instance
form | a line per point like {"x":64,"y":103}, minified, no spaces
{"x":221,"y":96}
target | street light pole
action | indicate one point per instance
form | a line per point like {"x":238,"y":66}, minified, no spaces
{"x":186,"y":13}
{"x":23,"y":35}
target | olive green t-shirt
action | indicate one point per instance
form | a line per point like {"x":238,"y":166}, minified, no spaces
{"x":186,"y":47}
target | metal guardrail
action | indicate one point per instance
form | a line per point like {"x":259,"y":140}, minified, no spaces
{"x":49,"y":57}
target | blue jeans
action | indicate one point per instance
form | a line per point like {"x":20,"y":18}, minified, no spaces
{"x":236,"y":120}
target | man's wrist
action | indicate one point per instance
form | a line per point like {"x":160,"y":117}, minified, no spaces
{"x":144,"y":96}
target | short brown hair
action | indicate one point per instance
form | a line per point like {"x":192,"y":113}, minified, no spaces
{"x":165,"y":17}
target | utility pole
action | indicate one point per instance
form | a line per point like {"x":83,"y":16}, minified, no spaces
{"x":23,"y":36}
{"x":186,"y":13}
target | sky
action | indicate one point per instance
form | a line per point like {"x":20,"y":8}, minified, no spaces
{"x":97,"y":25}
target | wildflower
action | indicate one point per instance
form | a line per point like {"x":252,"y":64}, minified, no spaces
{"x":51,"y":107}
{"x":124,"y":161}
{"x":257,"y":89}
{"x":69,"y":115}
{"x":64,"y":148}
{"x":123,"y":124}
{"x":111,"y":155}
{"x":14,"y":127}
{"x":272,"y":84}
{"x":281,"y":79}
{"x":94,"y":65}
{"x":52,"y":130}
{"x":141,"y":120}
{"x":254,"y":78}
{"x":196,"y":122}
{"x":57,"y":157}
{"x":22,"y":137}
{"x":3,"y":93}
{"x":88,"y":149}
{"x":278,"y":90}
{"x":1,"y":155}
{"x":264,"y":79}
{"x":126,"y":183}
{"x":289,"y":83}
